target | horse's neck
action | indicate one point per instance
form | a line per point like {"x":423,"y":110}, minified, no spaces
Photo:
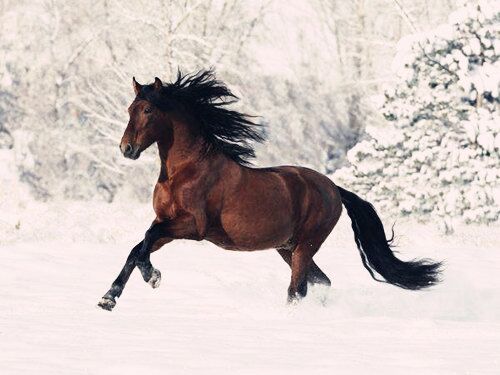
{"x":182,"y":150}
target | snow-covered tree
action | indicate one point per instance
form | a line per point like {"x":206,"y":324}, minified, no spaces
{"x":66,"y":67}
{"x":440,"y":155}
{"x":361,"y":36}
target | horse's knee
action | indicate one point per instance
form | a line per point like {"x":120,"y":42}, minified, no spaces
{"x":159,"y":243}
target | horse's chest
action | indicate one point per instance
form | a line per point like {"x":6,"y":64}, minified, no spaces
{"x":164,"y":202}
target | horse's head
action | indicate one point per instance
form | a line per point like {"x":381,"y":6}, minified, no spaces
{"x":144,"y":126}
{"x":194,"y":108}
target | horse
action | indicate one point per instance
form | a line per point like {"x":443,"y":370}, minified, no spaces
{"x":208,"y":190}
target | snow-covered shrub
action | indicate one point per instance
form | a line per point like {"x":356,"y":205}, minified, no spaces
{"x":440,"y":155}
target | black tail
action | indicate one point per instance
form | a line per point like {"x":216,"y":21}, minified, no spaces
{"x":376,"y":252}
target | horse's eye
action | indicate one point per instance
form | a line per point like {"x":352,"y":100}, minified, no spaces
{"x":148,"y":110}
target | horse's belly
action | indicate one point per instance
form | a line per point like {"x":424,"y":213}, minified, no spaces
{"x":259,"y":227}
{"x":250,"y":242}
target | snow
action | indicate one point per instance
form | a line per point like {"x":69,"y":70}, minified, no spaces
{"x":222,"y":312}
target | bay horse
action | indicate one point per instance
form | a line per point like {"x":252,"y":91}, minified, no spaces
{"x":206,"y":190}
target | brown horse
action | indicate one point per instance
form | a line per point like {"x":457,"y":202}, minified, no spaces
{"x":206,"y":191}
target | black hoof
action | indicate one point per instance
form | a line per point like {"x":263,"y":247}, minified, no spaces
{"x":294,"y":300}
{"x":295,"y":295}
{"x":107,"y":303}
{"x":313,"y":280}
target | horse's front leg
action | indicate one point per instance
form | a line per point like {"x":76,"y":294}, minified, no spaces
{"x":108,"y":301}
{"x":155,"y":233}
{"x":189,"y":227}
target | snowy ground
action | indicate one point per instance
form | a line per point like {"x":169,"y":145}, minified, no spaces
{"x":220,"y":312}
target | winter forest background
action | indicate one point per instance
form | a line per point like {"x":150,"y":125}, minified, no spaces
{"x":418,"y":136}
{"x":395,"y":100}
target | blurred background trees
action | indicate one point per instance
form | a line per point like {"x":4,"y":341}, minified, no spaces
{"x":315,"y":71}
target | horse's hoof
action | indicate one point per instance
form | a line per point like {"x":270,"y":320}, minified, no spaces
{"x":294,"y":299}
{"x":107,"y":303}
{"x":155,"y":279}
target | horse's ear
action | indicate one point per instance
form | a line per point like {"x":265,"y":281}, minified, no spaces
{"x":137,"y":86}
{"x":158,"y":84}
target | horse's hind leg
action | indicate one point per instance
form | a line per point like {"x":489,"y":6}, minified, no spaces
{"x":301,"y":263}
{"x":314,"y":275}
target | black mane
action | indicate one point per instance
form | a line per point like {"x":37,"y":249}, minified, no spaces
{"x":205,"y":98}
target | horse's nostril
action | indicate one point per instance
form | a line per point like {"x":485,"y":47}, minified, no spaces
{"x":130,"y":152}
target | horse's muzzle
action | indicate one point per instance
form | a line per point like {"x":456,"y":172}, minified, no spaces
{"x":130,"y":152}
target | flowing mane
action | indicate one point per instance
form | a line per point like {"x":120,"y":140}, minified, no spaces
{"x":205,"y":98}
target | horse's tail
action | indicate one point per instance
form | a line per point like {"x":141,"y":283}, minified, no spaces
{"x":376,"y":252}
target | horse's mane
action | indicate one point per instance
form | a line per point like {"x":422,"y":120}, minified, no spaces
{"x":205,"y":98}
